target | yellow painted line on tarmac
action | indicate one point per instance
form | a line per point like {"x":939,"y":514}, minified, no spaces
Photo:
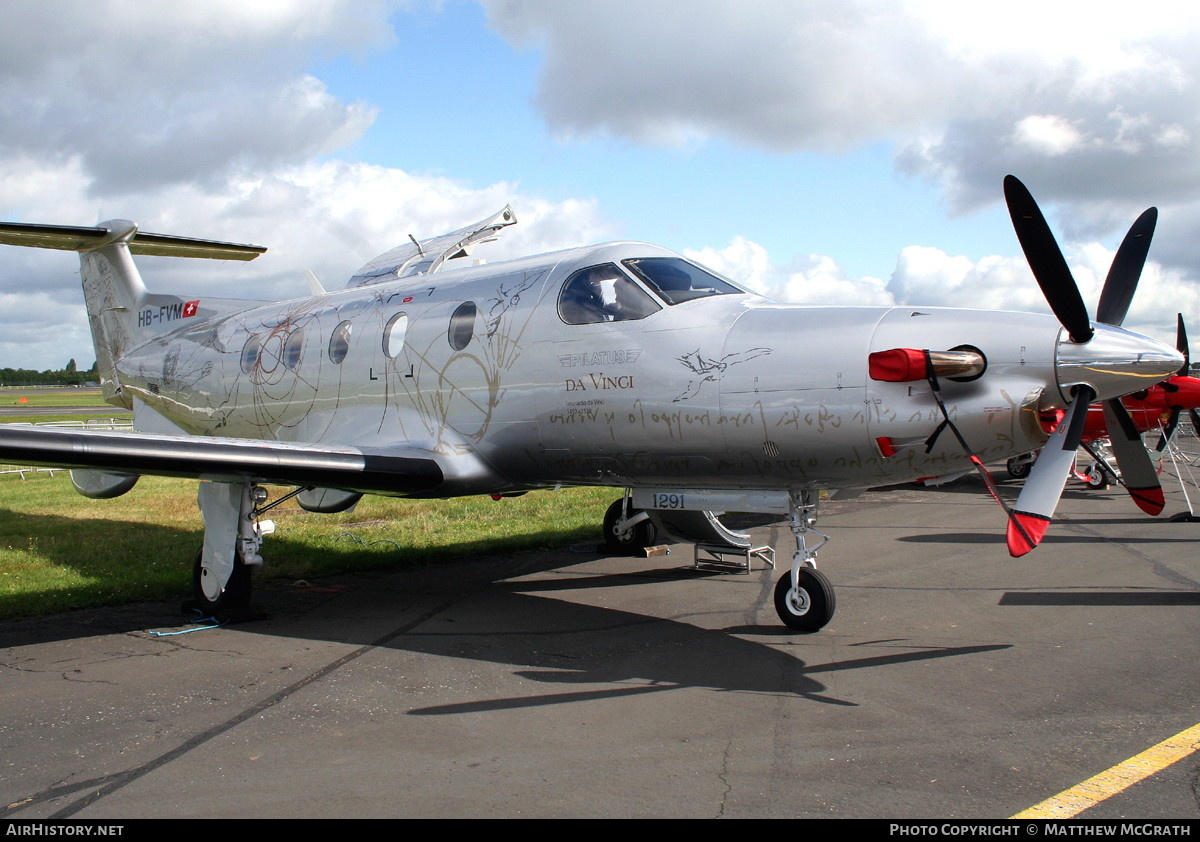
{"x":1091,"y":792}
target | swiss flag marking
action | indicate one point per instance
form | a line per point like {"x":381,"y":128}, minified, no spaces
{"x":190,"y":308}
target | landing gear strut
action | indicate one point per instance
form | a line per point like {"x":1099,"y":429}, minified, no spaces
{"x":233,"y":536}
{"x":804,"y":599}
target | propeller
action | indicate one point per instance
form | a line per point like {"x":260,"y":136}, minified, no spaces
{"x":1038,"y":499}
{"x":1181,"y":343}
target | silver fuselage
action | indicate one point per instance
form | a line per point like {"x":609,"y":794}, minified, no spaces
{"x":725,"y":392}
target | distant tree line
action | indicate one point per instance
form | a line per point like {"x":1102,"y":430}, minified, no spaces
{"x":68,"y":376}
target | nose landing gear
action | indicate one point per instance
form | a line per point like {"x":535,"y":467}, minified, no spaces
{"x":804,"y":598}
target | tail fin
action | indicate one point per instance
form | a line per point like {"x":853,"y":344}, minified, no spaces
{"x":117,"y":300}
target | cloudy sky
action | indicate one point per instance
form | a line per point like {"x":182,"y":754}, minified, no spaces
{"x":839,"y":152}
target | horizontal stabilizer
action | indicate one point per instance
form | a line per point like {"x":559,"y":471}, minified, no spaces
{"x":70,"y":238}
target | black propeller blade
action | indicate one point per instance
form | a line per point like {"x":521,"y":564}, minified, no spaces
{"x":1137,"y":471}
{"x":1047,"y":261}
{"x":1126,"y":268}
{"x":1181,"y":344}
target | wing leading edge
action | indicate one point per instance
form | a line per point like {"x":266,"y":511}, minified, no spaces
{"x":220,"y":459}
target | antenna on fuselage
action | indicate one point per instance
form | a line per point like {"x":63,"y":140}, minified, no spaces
{"x":314,"y":285}
{"x":420,"y":250}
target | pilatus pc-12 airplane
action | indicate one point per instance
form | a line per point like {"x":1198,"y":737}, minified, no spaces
{"x":618,"y":364}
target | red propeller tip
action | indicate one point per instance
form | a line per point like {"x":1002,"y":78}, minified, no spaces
{"x":1025,"y":532}
{"x":1149,"y":500}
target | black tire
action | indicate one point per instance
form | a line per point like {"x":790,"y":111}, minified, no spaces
{"x":236,"y":594}
{"x":638,"y":538}
{"x":1098,"y":478}
{"x":819,"y":598}
{"x":1018,"y":467}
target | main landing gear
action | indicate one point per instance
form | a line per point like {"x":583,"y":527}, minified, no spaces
{"x":233,"y":536}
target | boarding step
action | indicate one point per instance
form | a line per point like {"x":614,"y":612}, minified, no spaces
{"x":735,"y":559}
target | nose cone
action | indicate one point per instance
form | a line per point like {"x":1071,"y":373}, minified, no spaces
{"x":1114,"y":362}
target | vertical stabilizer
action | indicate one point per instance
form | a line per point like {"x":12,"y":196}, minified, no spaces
{"x":121,"y":312}
{"x":114,"y":292}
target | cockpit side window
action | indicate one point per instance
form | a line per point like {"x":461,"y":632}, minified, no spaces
{"x":603,"y":294}
{"x":678,"y":280}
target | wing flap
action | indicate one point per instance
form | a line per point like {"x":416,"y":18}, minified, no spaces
{"x":220,"y":459}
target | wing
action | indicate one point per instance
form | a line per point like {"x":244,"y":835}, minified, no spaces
{"x":222,"y":459}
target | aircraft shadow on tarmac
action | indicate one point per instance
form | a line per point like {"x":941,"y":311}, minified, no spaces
{"x":512,"y":620}
{"x":481,"y":613}
{"x":576,"y":644}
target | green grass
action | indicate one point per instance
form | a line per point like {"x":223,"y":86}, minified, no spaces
{"x":52,"y":398}
{"x":60,"y":551}
{"x":58,"y":396}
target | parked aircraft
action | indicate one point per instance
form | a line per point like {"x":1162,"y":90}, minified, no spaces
{"x":617,"y":364}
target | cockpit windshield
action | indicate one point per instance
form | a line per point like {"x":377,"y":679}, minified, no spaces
{"x":676,"y":280}
{"x":603,"y":294}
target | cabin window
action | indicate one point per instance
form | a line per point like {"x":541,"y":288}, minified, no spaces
{"x":603,"y":294}
{"x":293,"y":348}
{"x":462,"y":325}
{"x":677,"y":280}
{"x":339,"y":343}
{"x":250,"y":352}
{"x":393,"y":335}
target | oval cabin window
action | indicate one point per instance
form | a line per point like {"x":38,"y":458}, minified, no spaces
{"x":339,"y":343}
{"x":462,"y":326}
{"x":250,"y":354}
{"x":293,"y":348}
{"x":393,"y":335}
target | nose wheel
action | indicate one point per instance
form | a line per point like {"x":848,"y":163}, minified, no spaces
{"x":809,"y":606}
{"x":804,"y":598}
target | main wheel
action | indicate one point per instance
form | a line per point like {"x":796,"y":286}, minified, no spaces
{"x":208,"y":595}
{"x":630,"y":540}
{"x":1019,"y":467}
{"x":1097,"y":478}
{"x":811,"y":607}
